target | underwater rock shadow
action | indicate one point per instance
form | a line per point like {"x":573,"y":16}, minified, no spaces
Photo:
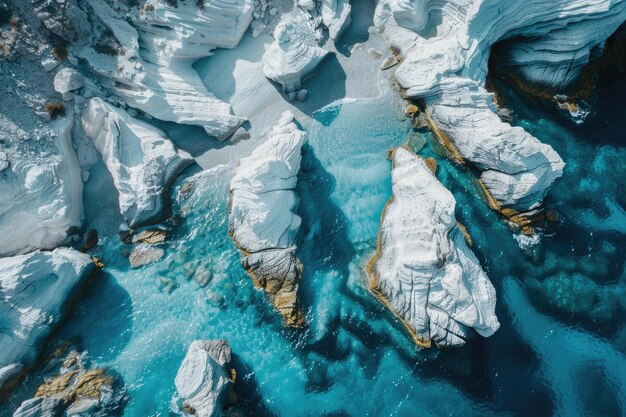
{"x":101,"y":321}
{"x":325,"y":246}
{"x":249,"y":399}
{"x":326,"y":84}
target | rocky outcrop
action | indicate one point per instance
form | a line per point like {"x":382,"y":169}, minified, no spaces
{"x":294,"y":54}
{"x":65,"y":19}
{"x":516,"y":168}
{"x":205,"y":378}
{"x":154,"y":73}
{"x":423,"y":270}
{"x":41,"y":198}
{"x":141,"y":159}
{"x":34,"y":289}
{"x":72,"y":390}
{"x":263,"y":222}
{"x":445,"y":48}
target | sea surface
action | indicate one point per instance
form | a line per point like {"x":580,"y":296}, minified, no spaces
{"x":561,"y":347}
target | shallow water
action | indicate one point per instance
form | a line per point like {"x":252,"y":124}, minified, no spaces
{"x":561,"y":347}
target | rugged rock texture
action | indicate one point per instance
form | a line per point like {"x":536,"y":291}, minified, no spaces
{"x":141,"y":159}
{"x":336,"y":17}
{"x":517,"y":169}
{"x":72,"y":390}
{"x":34,"y":289}
{"x":295,"y":53}
{"x":152,"y":68}
{"x":262,"y":220}
{"x":205,"y":378}
{"x":445,"y":48}
{"x":41,"y":196}
{"x":423,"y":269}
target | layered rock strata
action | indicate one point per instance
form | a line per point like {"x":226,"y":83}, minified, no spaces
{"x":423,"y":269}
{"x":141,"y":159}
{"x":40,"y":179}
{"x":34,"y":290}
{"x":294,"y":54}
{"x":263,"y":220}
{"x":205,"y":378}
{"x":147,"y":62}
{"x":444,"y":49}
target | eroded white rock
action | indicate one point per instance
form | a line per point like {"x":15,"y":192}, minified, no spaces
{"x":263,"y":220}
{"x":41,"y":198}
{"x":158,"y":78}
{"x":34,"y":289}
{"x":205,"y":378}
{"x":445,"y":48}
{"x":424,"y":270}
{"x":294,"y":54}
{"x":141,"y":159}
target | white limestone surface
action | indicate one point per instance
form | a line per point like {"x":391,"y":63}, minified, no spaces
{"x":155,"y":74}
{"x":294,"y":54}
{"x":263,"y":220}
{"x":204,"y":379}
{"x":424,"y":270}
{"x":41,"y":198}
{"x":34,"y":291}
{"x":141,"y":159}
{"x":445,"y":48}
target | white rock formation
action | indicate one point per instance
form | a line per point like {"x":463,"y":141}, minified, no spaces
{"x":41,"y":196}
{"x":445,"y":48}
{"x":205,"y":378}
{"x":141,"y":159}
{"x":263,"y":222}
{"x":517,"y":169}
{"x":68,"y":79}
{"x":336,"y":17}
{"x":294,"y":54}
{"x":34,"y":289}
{"x":423,"y":269}
{"x":155,"y":73}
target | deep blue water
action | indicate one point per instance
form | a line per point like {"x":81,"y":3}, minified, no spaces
{"x":561,"y":348}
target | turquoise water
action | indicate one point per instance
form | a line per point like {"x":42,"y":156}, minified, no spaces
{"x":561,"y":349}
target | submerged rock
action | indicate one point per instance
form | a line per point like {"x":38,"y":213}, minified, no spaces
{"x":205,"y":378}
{"x":263,"y":222}
{"x":34,"y":289}
{"x":141,"y":159}
{"x":423,"y":269}
{"x":295,"y":54}
{"x":143,"y":254}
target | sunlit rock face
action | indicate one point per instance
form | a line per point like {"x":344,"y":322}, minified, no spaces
{"x":336,"y":17}
{"x":517,"y":169}
{"x":263,"y":220}
{"x":295,"y":53}
{"x":205,"y":378}
{"x":41,"y":198}
{"x":152,"y":68}
{"x":35,"y":289}
{"x":424,"y":270}
{"x":141,"y":159}
{"x":445,"y":48}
